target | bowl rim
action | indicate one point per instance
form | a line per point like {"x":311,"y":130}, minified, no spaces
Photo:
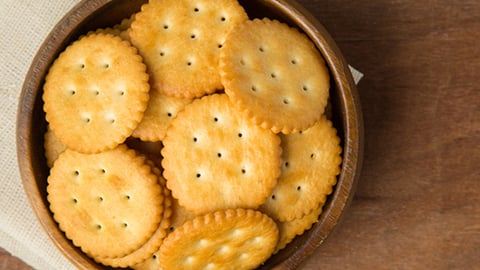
{"x":347,"y":94}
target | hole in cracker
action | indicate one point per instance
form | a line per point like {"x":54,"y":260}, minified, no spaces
{"x":293,"y":61}
{"x":96,"y":92}
{"x":273,"y":197}
{"x":223,"y":19}
{"x":242,"y":62}
{"x":286,"y":164}
{"x":299,"y":188}
{"x":261,"y":49}
{"x":196,"y":10}
{"x":189,"y":63}
{"x":82,"y":66}
{"x":172,"y":228}
{"x":215,"y":119}
{"x":253,"y":88}
{"x":73,"y":92}
{"x":240,"y":135}
{"x":106,"y":66}
{"x":127,"y":197}
{"x":300,"y":132}
{"x":87,"y":120}
{"x":165,"y":26}
{"x":169,"y":114}
{"x":76,"y":173}
{"x":125,"y":225}
{"x":99,"y":226}
{"x":273,"y":75}
{"x":199,"y":175}
{"x":219,"y":155}
{"x":162,"y":54}
{"x":154,"y":256}
{"x":220,"y":46}
{"x":193,"y":36}
{"x":244,"y":171}
{"x":100,"y":198}
{"x":304,"y":88}
{"x":75,"y":200}
{"x":195,"y":139}
{"x":121,"y":93}
{"x":285,"y":101}
{"x":312,"y":155}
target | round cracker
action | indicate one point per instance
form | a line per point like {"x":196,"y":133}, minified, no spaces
{"x":279,"y":85}
{"x":95,"y":93}
{"x":230,"y":239}
{"x":148,"y":249}
{"x":100,"y":200}
{"x":312,"y":161}
{"x":222,"y":151}
{"x":181,"y":40}
{"x":161,"y":110}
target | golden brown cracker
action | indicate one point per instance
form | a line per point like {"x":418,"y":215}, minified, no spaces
{"x":213,"y":158}
{"x":151,"y":263}
{"x":95,"y":93}
{"x":179,"y":216}
{"x":150,"y":149}
{"x":53,"y":147}
{"x":230,"y":239}
{"x":161,"y":110}
{"x":106,"y":31}
{"x":145,"y":147}
{"x":100,"y":200}
{"x":312,"y":161}
{"x":288,"y":230}
{"x":124,"y":27}
{"x":148,"y":249}
{"x":181,"y":40}
{"x":275,"y":75}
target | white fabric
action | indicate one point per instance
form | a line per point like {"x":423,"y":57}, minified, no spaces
{"x":25,"y":24}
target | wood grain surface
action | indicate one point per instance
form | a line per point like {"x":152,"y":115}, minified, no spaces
{"x":417,"y":204}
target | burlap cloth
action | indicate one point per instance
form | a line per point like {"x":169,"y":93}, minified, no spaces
{"x":24,"y":26}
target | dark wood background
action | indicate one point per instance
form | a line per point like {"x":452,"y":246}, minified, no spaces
{"x":417,"y":205}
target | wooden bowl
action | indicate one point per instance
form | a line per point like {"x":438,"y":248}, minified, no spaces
{"x":93,"y":14}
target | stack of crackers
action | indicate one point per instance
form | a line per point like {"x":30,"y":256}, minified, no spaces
{"x":189,"y":136}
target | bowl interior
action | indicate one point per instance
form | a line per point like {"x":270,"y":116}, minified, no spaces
{"x":90,"y":15}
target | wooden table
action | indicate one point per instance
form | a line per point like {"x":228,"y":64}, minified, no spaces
{"x":417,"y":205}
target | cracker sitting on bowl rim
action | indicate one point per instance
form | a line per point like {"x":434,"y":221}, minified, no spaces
{"x":280,"y":85}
